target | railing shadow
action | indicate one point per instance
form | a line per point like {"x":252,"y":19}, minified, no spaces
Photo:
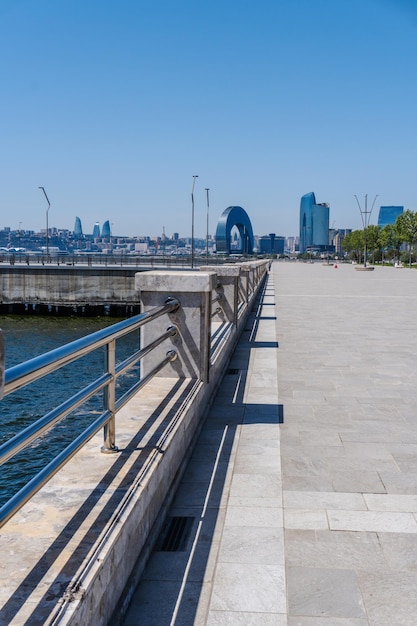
{"x":59,"y":586}
{"x":175,"y":583}
{"x":228,"y":412}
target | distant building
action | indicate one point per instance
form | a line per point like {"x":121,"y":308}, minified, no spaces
{"x":388,"y":215}
{"x":336,"y":238}
{"x":234,"y":231}
{"x":96,"y":231}
{"x":292,"y":244}
{"x":314,"y":224}
{"x":271,"y":244}
{"x":106,"y":231}
{"x":78,"y":229}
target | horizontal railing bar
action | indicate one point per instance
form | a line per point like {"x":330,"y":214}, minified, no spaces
{"x":171,"y":356}
{"x":29,"y":371}
{"x":121,"y":368}
{"x":23,"y":439}
{"x":37,"y":482}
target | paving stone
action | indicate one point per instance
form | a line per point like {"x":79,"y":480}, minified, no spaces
{"x":324,"y":592}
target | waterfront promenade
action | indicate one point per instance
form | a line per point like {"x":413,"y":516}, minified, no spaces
{"x":300,"y":502}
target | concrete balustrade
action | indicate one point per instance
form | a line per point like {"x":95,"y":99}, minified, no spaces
{"x":228,"y":288}
{"x":193,"y":320}
{"x":72,"y":549}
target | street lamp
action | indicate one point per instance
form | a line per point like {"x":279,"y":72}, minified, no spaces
{"x":192,"y":221}
{"x":207,"y":223}
{"x":47,"y":227}
{"x":366,"y":216}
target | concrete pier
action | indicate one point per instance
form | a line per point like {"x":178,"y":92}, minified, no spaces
{"x":67,"y":289}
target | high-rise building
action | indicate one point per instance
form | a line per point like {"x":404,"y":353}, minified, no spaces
{"x":106,"y":231}
{"x":388,"y":215}
{"x":78,"y":229}
{"x":96,"y":231}
{"x":271,"y":244}
{"x":314,"y":223}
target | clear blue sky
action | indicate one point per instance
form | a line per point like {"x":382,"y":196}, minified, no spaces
{"x":113,"y":106}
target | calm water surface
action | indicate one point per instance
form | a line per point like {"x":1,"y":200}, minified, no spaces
{"x":26,"y":337}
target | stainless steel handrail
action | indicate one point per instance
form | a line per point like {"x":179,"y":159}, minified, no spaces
{"x":29,"y":371}
{"x":25,"y":373}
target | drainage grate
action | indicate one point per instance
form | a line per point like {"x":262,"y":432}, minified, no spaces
{"x":233,"y":371}
{"x":175,"y":534}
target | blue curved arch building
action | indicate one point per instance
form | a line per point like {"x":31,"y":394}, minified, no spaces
{"x":234,"y":216}
{"x":314,"y":223}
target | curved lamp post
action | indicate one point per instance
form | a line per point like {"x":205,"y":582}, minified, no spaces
{"x":192,"y":221}
{"x":47,"y":226}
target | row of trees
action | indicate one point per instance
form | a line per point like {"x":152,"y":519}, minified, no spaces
{"x":384,"y":242}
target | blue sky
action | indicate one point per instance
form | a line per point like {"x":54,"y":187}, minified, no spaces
{"x":114,"y":105}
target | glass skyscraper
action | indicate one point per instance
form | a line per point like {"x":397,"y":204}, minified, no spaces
{"x":96,"y":231}
{"x":78,"y":229}
{"x":314,"y":223}
{"x":388,"y":215}
{"x":105,"y":231}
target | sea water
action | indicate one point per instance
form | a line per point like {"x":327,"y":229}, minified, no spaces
{"x":26,"y":337}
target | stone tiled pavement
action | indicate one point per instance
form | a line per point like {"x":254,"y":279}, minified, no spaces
{"x":313,"y":521}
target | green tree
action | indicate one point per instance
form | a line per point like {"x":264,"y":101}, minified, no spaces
{"x":407,"y":227}
{"x":391,"y":239}
{"x":353,"y":243}
{"x":373,"y":240}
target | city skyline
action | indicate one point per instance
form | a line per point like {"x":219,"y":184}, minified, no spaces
{"x":381,"y":216}
{"x":117,"y":106}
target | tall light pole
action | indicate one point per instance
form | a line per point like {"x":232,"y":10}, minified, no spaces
{"x":192,"y":221}
{"x":207,"y":222}
{"x":366,"y":216}
{"x":47,"y":226}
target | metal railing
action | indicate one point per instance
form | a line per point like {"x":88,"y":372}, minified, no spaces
{"x":110,"y":260}
{"x":25,"y":373}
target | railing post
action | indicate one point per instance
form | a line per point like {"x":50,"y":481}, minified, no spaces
{"x":193,"y":320}
{"x":109,"y":444}
{"x":245,"y":282}
{"x":228,"y":276}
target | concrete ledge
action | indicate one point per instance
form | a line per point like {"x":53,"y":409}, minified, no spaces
{"x":71,"y":549}
{"x":69,"y":552}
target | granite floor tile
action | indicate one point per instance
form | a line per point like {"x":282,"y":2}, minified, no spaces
{"x":391,"y":502}
{"x":257,"y":516}
{"x":240,"y":618}
{"x":372,"y":521}
{"x":318,"y":592}
{"x":400,"y":551}
{"x":251,"y":544}
{"x":251,"y":588}
{"x":339,"y":553}
{"x":305,"y":519}
{"x":389,"y":598}
{"x":326,"y":621}
{"x":324,"y":500}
